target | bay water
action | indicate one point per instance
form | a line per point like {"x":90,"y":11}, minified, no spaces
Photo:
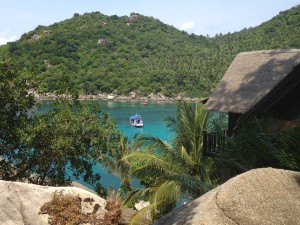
{"x":153,"y":114}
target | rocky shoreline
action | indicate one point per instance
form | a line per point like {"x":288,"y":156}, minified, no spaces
{"x":114,"y":97}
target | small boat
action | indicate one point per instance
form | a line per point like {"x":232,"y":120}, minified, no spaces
{"x":136,"y":121}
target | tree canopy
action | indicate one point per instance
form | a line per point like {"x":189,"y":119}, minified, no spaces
{"x":99,"y":53}
{"x":53,"y":147}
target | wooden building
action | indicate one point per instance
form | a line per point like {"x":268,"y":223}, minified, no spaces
{"x":257,"y":83}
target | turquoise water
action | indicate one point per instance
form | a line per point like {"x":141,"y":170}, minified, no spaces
{"x":153,"y":115}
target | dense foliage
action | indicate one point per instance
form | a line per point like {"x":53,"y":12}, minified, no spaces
{"x":113,"y":161}
{"x":98,"y":53}
{"x":15,"y":102}
{"x":173,"y":171}
{"x":51,"y":148}
{"x":261,"y":143}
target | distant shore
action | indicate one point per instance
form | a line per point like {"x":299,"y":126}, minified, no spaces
{"x":114,"y":97}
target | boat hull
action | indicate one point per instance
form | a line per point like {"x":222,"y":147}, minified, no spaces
{"x":137,"y":125}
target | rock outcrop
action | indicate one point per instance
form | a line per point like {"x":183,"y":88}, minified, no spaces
{"x":133,"y":96}
{"x":35,"y":37}
{"x":260,"y":196}
{"x":131,"y":19}
{"x":104,"y":41}
{"x":20,"y":203}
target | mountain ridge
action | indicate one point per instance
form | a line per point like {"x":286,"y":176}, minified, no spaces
{"x":94,"y":53}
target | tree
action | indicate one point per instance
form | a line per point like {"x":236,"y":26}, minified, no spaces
{"x":15,"y":102}
{"x":262,"y":143}
{"x":113,"y":161}
{"x":53,"y":147}
{"x":66,"y":142}
{"x":178,"y":170}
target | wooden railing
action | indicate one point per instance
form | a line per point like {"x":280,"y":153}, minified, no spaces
{"x":213,"y":142}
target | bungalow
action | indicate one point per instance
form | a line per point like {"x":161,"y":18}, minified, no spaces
{"x":257,"y":83}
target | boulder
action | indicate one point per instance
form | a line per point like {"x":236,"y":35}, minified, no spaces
{"x":104,"y":41}
{"x":132,"y":18}
{"x":133,"y":95}
{"x":20,"y":203}
{"x":141,"y":204}
{"x":111,"y":97}
{"x":47,"y":63}
{"x":35,"y":37}
{"x":262,"y":196}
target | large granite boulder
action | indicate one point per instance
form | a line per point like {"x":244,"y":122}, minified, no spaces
{"x":260,"y":196}
{"x":20,"y":203}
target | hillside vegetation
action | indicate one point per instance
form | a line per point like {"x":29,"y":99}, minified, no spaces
{"x":97,"y":53}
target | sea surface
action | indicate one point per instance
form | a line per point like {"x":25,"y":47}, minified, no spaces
{"x":153,"y":114}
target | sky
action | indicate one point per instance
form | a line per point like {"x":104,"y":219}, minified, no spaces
{"x":201,"y":17}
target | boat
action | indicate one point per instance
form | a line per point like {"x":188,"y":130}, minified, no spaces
{"x":136,"y":121}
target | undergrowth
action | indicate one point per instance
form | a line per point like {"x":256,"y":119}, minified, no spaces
{"x":66,"y":209}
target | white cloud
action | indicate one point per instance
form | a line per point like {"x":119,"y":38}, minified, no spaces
{"x":4,"y":40}
{"x":187,"y":25}
{"x":4,"y":37}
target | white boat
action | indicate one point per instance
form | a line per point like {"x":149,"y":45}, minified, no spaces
{"x":136,"y":121}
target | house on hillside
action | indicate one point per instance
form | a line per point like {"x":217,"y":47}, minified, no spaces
{"x":257,"y":83}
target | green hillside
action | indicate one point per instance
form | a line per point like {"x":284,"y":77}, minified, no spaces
{"x":98,"y":53}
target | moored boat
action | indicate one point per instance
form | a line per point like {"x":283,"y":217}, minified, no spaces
{"x":136,"y":121}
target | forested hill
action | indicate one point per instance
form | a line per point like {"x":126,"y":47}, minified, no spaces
{"x":98,"y":53}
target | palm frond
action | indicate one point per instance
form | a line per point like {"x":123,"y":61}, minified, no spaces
{"x":152,"y":144}
{"x":153,"y":160}
{"x":163,"y":194}
{"x":167,"y":192}
{"x":136,"y":194}
{"x":191,"y":184}
{"x":142,"y":217}
{"x":185,"y":156}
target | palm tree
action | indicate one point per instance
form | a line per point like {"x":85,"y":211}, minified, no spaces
{"x":188,"y":126}
{"x":177,"y":170}
{"x":113,"y":161}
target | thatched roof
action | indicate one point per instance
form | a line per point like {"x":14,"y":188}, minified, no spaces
{"x":250,"y":78}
